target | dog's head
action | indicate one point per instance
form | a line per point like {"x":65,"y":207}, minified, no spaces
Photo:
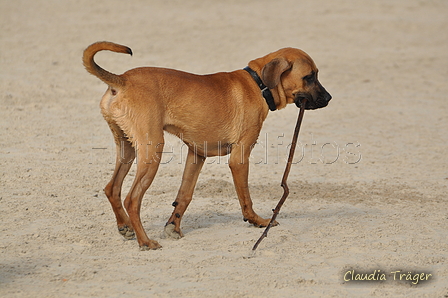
{"x":291,"y":75}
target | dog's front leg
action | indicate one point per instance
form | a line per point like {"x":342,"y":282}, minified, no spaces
{"x":239,"y":165}
{"x":193,"y":166}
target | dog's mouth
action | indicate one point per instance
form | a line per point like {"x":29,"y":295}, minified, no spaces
{"x":300,"y":97}
{"x":322,"y":99}
{"x":311,"y":103}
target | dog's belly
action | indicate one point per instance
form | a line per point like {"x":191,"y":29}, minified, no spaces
{"x":209,"y":149}
{"x":203,"y":143}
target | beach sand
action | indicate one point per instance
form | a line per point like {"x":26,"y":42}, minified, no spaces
{"x":368,"y":184}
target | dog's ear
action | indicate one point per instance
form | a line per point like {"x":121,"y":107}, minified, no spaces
{"x":271,"y":72}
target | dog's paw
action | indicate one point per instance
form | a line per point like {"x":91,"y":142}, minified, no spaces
{"x":264,"y":225}
{"x":126,"y":232}
{"x":261,"y":222}
{"x":151,"y":245}
{"x":170,"y":231}
{"x":274,"y":223}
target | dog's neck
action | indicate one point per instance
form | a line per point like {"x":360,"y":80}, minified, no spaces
{"x":264,"y":89}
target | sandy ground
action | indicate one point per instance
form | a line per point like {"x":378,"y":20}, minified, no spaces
{"x":368,"y":187}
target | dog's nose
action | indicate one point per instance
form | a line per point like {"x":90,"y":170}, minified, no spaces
{"x":326,"y":96}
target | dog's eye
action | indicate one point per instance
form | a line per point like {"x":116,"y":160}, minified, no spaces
{"x":309,"y":78}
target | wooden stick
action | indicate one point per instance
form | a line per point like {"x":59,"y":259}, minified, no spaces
{"x":285,"y":175}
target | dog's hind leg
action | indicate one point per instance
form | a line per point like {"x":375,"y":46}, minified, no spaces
{"x":125,"y":157}
{"x":193,"y":166}
{"x":149,"y":155}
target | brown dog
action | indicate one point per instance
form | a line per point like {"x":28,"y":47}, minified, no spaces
{"x":213,"y":114}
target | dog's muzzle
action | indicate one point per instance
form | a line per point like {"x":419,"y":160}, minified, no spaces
{"x":322,"y":99}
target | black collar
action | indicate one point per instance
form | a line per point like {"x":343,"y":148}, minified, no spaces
{"x":264,"y":89}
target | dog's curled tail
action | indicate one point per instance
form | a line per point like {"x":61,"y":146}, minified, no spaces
{"x":109,"y":78}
